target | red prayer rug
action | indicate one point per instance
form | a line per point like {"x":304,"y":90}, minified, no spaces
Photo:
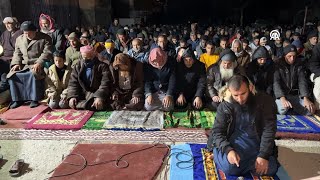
{"x":62,"y":119}
{"x":23,"y":112}
{"x":136,"y":162}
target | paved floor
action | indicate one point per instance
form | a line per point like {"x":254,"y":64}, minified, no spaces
{"x":301,"y":159}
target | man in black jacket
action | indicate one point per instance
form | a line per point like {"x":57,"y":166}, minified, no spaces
{"x":260,"y":70}
{"x":314,"y":66}
{"x":243,"y":134}
{"x":191,"y":81}
{"x":291,"y":85}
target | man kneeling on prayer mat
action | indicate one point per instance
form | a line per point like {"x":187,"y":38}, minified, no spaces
{"x":191,"y":81}
{"x":26,"y":77}
{"x":244,"y":131}
{"x":89,"y":82}
{"x":159,"y":81}
{"x":57,"y":80}
{"x":128,"y":87}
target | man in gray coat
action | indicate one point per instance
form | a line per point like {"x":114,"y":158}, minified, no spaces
{"x":26,"y":77}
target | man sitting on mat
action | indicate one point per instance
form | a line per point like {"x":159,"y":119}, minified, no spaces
{"x":160,"y":81}
{"x":291,"y":86}
{"x":89,"y":82}
{"x":244,"y":131}
{"x":191,"y":81}
{"x":26,"y":77}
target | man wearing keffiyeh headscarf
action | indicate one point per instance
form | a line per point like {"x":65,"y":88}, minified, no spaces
{"x":46,"y":24}
{"x":160,"y":80}
{"x":89,"y":84}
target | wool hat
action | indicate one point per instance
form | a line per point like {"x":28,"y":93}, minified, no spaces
{"x":140,"y":35}
{"x":72,"y":36}
{"x":289,"y":48}
{"x":312,"y":34}
{"x":121,"y":32}
{"x":297,"y":43}
{"x":28,"y":26}
{"x":227,"y":55}
{"x":8,"y":20}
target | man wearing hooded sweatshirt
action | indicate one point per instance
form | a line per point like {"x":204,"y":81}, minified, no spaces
{"x":191,"y":81}
{"x":46,"y":24}
{"x":159,"y":81}
{"x":218,"y":75}
{"x":260,"y":70}
{"x":291,"y":85}
{"x":243,"y":58}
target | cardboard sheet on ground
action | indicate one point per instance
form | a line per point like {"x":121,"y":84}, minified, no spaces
{"x":143,"y":165}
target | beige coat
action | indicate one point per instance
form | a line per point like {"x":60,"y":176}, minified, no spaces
{"x":27,"y":54}
{"x":57,"y":89}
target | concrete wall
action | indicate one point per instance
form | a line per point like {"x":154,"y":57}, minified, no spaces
{"x":5,"y":10}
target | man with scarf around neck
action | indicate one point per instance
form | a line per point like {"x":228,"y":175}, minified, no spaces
{"x":191,"y":81}
{"x":159,"y":81}
{"x":291,"y":85}
{"x":242,"y":138}
{"x":46,"y":24}
{"x":260,"y":71}
{"x":243,"y":58}
{"x":219,"y":74}
{"x":90,"y":81}
{"x":138,"y":52}
{"x":128,"y":84}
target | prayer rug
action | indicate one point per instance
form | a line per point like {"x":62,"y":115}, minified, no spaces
{"x":60,"y":119}
{"x":168,"y":136}
{"x":97,"y":121}
{"x":23,"y":112}
{"x":135,"y":120}
{"x":136,"y":162}
{"x":298,"y":124}
{"x":190,"y":119}
{"x":192,"y":161}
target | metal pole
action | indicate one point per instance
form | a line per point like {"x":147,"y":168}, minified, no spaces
{"x":305,"y":19}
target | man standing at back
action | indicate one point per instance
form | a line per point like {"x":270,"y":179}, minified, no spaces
{"x":244,"y":131}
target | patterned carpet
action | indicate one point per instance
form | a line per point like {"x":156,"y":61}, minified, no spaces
{"x":188,"y":136}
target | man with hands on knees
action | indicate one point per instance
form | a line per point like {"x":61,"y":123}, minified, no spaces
{"x":191,"y":81}
{"x":291,"y":84}
{"x":89,"y":84}
{"x":159,"y":81}
{"x":243,"y":134}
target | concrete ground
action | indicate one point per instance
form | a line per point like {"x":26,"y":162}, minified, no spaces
{"x":301,"y":159}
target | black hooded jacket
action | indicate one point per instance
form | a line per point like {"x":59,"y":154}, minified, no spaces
{"x":261,"y":76}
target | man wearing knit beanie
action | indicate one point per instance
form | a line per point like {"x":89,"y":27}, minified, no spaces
{"x":291,"y":85}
